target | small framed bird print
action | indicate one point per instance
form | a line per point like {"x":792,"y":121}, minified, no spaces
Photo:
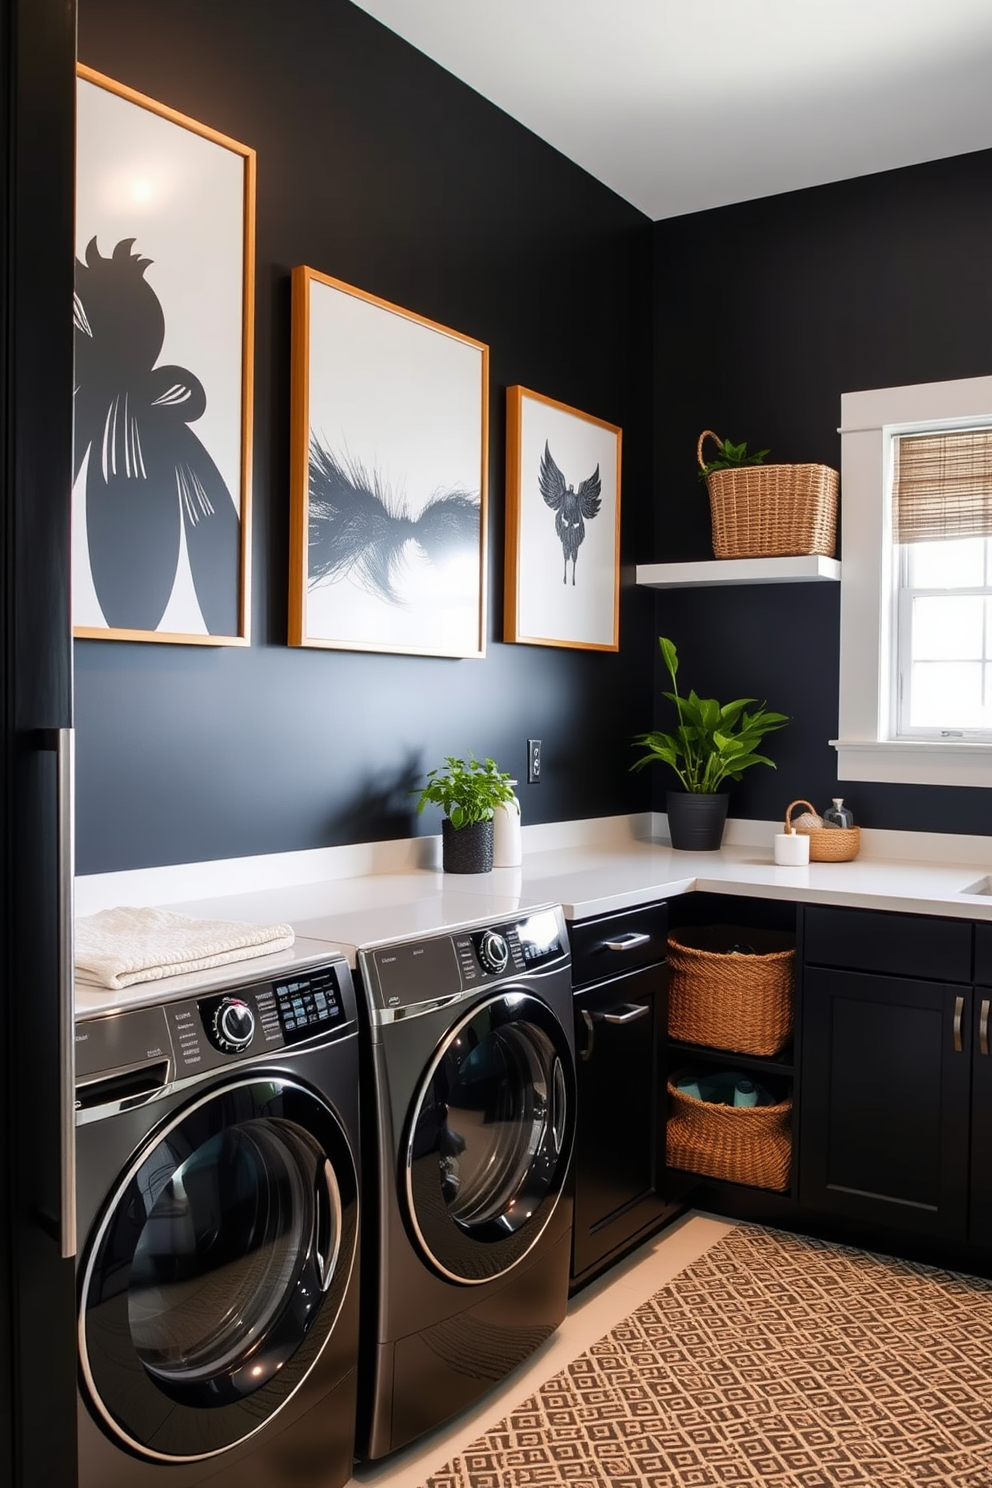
{"x":163,"y":316}
{"x":562,"y":573}
{"x":389,"y":456}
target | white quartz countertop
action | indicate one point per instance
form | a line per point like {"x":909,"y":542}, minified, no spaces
{"x":590,"y":881}
{"x":349,"y":898}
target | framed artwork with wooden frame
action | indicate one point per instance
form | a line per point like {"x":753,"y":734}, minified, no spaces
{"x":562,"y":572}
{"x":163,"y":317}
{"x":388,"y":476}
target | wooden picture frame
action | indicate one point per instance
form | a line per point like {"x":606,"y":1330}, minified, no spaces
{"x":562,"y":571}
{"x":164,"y":347}
{"x":388,"y":483}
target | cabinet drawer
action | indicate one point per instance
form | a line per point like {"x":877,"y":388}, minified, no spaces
{"x":612,"y":944}
{"x":896,"y":944}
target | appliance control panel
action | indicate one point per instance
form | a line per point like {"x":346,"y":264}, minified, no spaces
{"x":309,"y":1003}
{"x":431,"y":970}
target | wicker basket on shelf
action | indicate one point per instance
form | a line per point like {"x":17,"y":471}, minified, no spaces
{"x":742,"y":1144}
{"x":826,"y":844}
{"x":739,"y":1001}
{"x":771,"y":511}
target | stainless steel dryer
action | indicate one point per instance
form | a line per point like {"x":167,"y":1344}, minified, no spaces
{"x":217,"y":1162}
{"x":473,"y":1085}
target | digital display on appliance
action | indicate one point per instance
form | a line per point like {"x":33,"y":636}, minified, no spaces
{"x":539,"y":935}
{"x":307,"y":1003}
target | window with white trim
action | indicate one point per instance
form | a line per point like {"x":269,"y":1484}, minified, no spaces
{"x":916,"y":584}
{"x":942,"y":538}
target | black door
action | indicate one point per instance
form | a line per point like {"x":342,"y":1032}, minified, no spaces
{"x":620,"y":1030}
{"x":490,"y":1138}
{"x":980,"y":1223}
{"x":218,"y":1270}
{"x":37,"y":1341}
{"x":885,"y":1100}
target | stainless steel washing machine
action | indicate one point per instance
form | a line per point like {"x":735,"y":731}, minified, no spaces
{"x":472,"y":1089}
{"x":217,"y":1147}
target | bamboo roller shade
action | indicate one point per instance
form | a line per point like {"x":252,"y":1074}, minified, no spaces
{"x":942,"y":486}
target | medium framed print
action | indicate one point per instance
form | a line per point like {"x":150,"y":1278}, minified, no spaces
{"x":163,"y":318}
{"x":388,"y":476}
{"x":562,"y":578}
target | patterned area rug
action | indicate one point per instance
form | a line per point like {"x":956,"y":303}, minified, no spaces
{"x":774,"y":1360}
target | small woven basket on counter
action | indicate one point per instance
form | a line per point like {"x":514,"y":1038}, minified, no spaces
{"x":742,"y":1144}
{"x":739,"y":1001}
{"x":826,"y":844}
{"x":771,"y":511}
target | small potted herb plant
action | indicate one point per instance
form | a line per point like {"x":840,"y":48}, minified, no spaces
{"x":468,"y":792}
{"x":712,"y":743}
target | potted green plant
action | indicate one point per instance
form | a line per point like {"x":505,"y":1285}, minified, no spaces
{"x":729,"y":456}
{"x":468,"y":792}
{"x":712,"y":743}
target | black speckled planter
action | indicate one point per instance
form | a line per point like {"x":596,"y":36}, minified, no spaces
{"x":696,"y":822}
{"x":469,"y":850}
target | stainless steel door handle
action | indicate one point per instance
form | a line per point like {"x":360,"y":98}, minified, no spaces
{"x":628,"y":1014}
{"x":627,"y":942}
{"x":983,"y":1027}
{"x":958,"y":1013}
{"x":62,"y":741}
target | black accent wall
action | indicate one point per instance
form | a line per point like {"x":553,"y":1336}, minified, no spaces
{"x":375,"y":166}
{"x":378,"y":167}
{"x":767,"y":312}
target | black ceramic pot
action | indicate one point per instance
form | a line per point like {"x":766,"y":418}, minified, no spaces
{"x":696,"y":820}
{"x":467,"y":850}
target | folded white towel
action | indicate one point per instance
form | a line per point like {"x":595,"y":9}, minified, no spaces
{"x":118,"y":947}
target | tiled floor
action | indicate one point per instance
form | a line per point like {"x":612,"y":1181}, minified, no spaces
{"x":591,"y":1314}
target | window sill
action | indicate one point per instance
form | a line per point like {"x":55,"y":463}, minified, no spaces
{"x":914,"y":762}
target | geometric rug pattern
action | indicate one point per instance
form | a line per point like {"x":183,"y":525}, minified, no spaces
{"x":772,"y":1360}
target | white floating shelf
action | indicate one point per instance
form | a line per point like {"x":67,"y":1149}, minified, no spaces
{"x":806,"y":570}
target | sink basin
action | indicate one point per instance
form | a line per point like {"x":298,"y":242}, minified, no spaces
{"x":983,"y":886}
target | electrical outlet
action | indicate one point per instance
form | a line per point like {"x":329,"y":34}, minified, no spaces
{"x":533,"y":761}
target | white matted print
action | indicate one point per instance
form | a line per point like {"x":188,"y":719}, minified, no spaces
{"x":163,"y":317}
{"x":388,"y":484}
{"x":562,"y":582}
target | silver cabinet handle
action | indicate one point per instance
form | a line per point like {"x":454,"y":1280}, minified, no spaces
{"x":627,"y":942}
{"x":626,"y":1012}
{"x":629,"y":1014}
{"x":958,"y":1012}
{"x":983,"y":1027}
{"x":63,"y":742}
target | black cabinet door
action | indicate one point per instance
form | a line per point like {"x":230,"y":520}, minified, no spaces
{"x":620,"y":1029}
{"x":37,"y":1290}
{"x":980,"y":1226}
{"x":886,"y":1092}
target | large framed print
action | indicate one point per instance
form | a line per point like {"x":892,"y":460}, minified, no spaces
{"x":562,"y":577}
{"x":163,"y":317}
{"x":388,"y":476}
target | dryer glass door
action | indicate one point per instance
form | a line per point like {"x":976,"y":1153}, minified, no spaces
{"x":490,"y":1138}
{"x":219,"y":1269}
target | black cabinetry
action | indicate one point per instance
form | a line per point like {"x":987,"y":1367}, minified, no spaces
{"x":621,"y":1012}
{"x":897,"y":1078}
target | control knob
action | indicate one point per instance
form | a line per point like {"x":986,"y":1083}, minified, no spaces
{"x":494,"y":953}
{"x":233,"y":1026}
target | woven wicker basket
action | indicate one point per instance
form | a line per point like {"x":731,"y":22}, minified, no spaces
{"x":772,"y":511}
{"x":742,"y":1144}
{"x":826,"y":844}
{"x":730,"y":1001}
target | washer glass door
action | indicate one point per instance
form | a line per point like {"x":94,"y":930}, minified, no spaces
{"x":219,"y":1269}
{"x":490,"y":1137}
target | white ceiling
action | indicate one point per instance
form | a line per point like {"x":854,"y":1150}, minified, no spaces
{"x":680,"y":105}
